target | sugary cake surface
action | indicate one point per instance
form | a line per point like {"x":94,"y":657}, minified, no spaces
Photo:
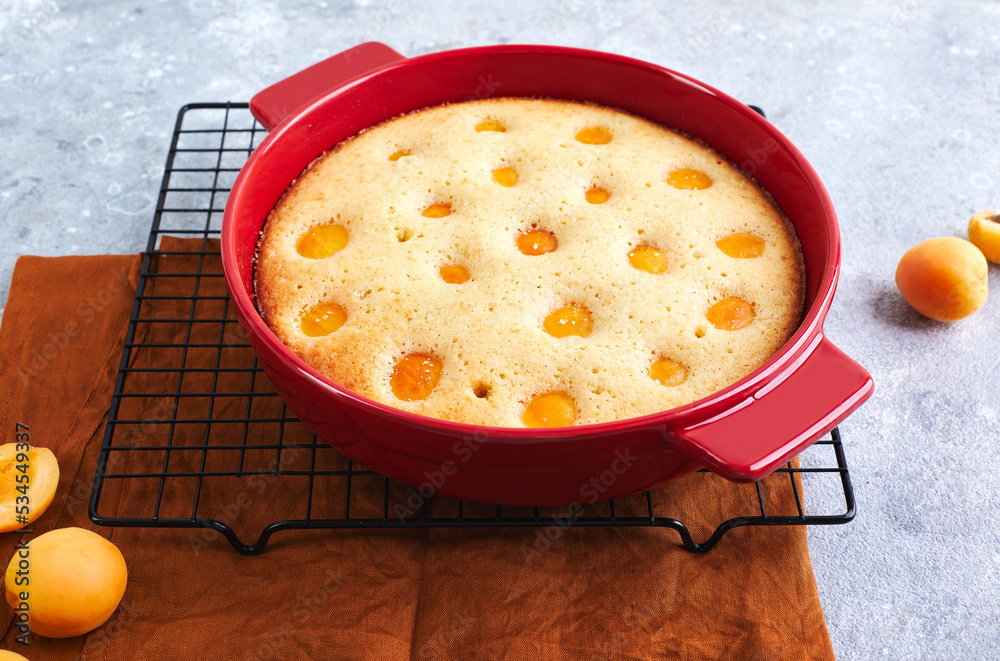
{"x":402,"y":248}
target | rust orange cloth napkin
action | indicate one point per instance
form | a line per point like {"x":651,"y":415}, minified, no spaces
{"x":570,"y":594}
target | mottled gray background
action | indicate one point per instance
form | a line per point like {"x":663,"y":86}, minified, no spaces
{"x":896,"y":104}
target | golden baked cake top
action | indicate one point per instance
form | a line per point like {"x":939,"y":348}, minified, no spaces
{"x":516,"y":262}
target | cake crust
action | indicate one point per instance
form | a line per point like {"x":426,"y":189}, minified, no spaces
{"x":488,"y":331}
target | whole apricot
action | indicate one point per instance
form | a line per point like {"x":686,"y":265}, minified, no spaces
{"x":984,"y":232}
{"x":7,"y":655}
{"x":28,"y":481}
{"x":944,"y":278}
{"x":69,"y":581}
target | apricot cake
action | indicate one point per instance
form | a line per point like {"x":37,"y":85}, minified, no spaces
{"x":525,"y":262}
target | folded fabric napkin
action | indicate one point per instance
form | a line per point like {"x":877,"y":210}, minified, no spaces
{"x":565,"y":593}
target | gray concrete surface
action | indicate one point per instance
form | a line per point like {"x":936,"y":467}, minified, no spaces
{"x":896,"y":104}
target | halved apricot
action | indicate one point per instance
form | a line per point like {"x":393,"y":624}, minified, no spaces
{"x":322,"y":319}
{"x":689,"y":179}
{"x":491,"y":125}
{"x":437,"y":210}
{"x":322,"y":241}
{"x":536,"y":242}
{"x":551,"y":409}
{"x":569,"y":320}
{"x":984,"y":233}
{"x":506,"y":177}
{"x":597,"y":195}
{"x":649,"y":259}
{"x":731,"y":313}
{"x":667,"y":372}
{"x":594,"y":135}
{"x":28,"y":481}
{"x":77,"y":579}
{"x":415,"y":376}
{"x":741,"y":246}
{"x":454,"y":274}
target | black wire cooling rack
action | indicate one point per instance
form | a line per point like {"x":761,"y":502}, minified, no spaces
{"x":193,"y":418}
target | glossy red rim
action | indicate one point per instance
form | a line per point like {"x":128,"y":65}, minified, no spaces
{"x":715,"y":404}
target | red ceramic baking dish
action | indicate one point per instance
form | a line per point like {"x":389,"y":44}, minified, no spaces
{"x":742,"y":432}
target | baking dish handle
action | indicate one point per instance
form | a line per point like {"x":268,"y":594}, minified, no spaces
{"x":815,"y":393}
{"x":272,"y":105}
